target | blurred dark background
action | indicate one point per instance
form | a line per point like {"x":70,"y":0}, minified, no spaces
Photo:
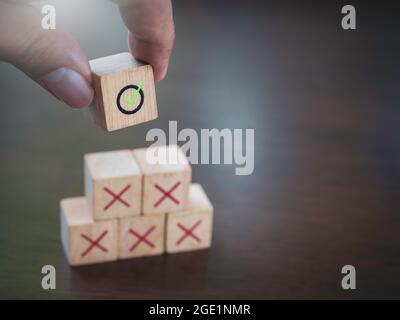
{"x":325,"y":192}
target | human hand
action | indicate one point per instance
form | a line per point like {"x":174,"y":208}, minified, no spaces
{"x":55,"y":60}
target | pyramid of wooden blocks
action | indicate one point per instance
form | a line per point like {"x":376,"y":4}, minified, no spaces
{"x":138,"y":203}
{"x":124,"y":92}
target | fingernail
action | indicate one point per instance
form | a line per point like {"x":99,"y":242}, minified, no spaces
{"x":162,"y":71}
{"x":68,"y":86}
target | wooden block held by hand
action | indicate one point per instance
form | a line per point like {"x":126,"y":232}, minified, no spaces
{"x":141,"y":236}
{"x":166,"y":183}
{"x":84,"y":240}
{"x":191,"y":229}
{"x":124,"y":92}
{"x":113,"y":184}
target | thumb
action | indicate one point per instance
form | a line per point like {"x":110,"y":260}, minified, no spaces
{"x":50,"y":57}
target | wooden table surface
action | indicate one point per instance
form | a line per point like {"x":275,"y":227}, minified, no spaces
{"x":325,"y":191}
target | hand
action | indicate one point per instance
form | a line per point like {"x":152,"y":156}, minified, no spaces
{"x":55,"y":60}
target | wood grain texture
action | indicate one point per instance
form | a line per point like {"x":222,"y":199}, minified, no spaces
{"x":165,"y":184}
{"x":324,"y":104}
{"x":113,"y":184}
{"x":191,"y":229}
{"x":110,"y":75}
{"x":84,"y":240}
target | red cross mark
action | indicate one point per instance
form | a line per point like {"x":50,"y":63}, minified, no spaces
{"x":94,"y":243}
{"x":116,"y":197}
{"x":167,"y":194}
{"x":141,"y":238}
{"x":188,"y":232}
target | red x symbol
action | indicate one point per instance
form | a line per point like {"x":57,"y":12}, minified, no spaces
{"x":167,"y":194}
{"x":188,"y":232}
{"x":141,"y":238}
{"x":94,"y":243}
{"x":116,"y":197}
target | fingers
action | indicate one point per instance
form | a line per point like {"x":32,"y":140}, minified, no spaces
{"x":50,"y":57}
{"x":151,"y":31}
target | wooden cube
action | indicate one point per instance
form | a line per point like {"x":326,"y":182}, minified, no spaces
{"x":166,"y":183}
{"x":191,"y":229}
{"x":113,"y":184}
{"x":141,"y":236}
{"x":124,"y":92}
{"x":84,"y":240}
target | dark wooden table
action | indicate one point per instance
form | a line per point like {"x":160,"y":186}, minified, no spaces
{"x":325,"y":192}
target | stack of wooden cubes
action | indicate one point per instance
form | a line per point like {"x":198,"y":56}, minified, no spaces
{"x":135,"y":207}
